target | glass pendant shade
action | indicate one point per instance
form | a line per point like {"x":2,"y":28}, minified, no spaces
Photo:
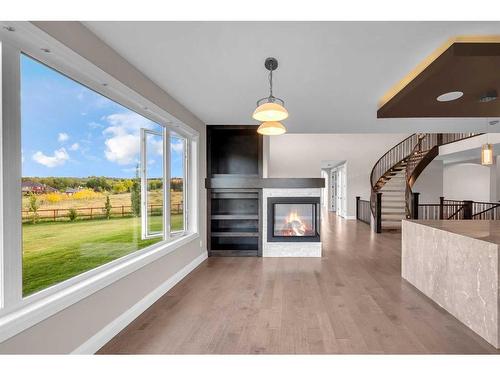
{"x":271,"y":128}
{"x":270,"y":112}
{"x":487,"y":154}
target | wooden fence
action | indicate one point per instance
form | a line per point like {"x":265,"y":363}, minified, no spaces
{"x":89,"y":213}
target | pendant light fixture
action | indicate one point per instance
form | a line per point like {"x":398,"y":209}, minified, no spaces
{"x":487,"y":154}
{"x":487,"y":149}
{"x":271,"y":110}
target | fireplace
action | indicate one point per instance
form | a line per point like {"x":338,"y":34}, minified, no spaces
{"x":293,"y":219}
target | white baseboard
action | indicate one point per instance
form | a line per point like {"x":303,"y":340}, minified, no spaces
{"x":350,"y":217}
{"x":97,"y":341}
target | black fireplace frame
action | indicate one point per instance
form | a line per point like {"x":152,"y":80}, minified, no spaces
{"x":272,"y":201}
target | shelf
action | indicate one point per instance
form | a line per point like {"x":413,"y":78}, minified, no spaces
{"x":235,"y":195}
{"x":235,"y":175}
{"x":235,"y":234}
{"x":235,"y":217}
{"x":234,"y":252}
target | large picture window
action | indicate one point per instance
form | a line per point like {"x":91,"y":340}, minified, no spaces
{"x":93,"y":179}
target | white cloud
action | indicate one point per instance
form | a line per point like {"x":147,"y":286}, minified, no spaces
{"x":59,"y":158}
{"x":122,"y":137}
{"x":62,"y":137}
{"x":122,"y":149}
{"x":95,"y":125}
{"x":177,"y":147}
{"x":156,"y":145}
{"x":74,"y":147}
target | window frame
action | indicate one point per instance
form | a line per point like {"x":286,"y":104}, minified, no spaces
{"x":165,"y":233}
{"x":185,"y":177}
{"x":17,"y":312}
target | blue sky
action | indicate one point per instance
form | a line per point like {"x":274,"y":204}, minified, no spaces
{"x":69,"y":130}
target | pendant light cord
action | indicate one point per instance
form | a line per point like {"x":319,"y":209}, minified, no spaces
{"x":271,"y":84}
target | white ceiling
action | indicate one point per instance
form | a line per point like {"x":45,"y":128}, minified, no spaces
{"x":331,"y":74}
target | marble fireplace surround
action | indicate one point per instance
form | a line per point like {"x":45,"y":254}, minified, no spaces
{"x":288,"y":249}
{"x":456,"y":264}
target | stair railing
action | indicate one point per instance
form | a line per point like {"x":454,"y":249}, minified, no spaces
{"x":424,"y":152}
{"x":417,"y":150}
{"x":386,"y":163}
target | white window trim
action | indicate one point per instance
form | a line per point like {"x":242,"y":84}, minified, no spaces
{"x":165,"y":233}
{"x":18,"y":313}
{"x":185,"y":179}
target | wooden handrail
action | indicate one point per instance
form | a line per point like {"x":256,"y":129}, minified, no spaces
{"x":418,"y":150}
{"x":461,"y":209}
{"x":387,"y":161}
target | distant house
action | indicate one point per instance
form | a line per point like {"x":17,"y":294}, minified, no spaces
{"x":28,"y":187}
{"x":71,"y":191}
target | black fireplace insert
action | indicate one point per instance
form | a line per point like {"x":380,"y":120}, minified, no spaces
{"x":293,"y":219}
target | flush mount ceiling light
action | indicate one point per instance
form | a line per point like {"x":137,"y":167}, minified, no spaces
{"x":450,"y":96}
{"x":270,"y":110}
{"x":488,"y":96}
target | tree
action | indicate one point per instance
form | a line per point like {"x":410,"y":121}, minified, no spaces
{"x":135,"y":194}
{"x":118,"y":187}
{"x":98,"y":184}
{"x":176,"y":184}
{"x":107,"y":208}
{"x":72,"y":214}
{"x":33,"y":206}
{"x":155,"y":184}
{"x":128,"y":183}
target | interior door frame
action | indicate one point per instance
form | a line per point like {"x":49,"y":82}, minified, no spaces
{"x":333,"y":190}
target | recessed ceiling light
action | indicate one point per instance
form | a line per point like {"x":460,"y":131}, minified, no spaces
{"x":9,"y":28}
{"x":488,"y":96}
{"x":104,"y":84}
{"x":449,"y":96}
{"x":46,"y":50}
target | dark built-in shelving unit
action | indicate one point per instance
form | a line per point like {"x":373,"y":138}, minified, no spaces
{"x":234,"y":153}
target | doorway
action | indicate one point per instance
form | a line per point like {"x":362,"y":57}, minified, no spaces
{"x":338,"y":188}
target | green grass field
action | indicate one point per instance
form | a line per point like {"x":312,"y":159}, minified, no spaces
{"x":56,"y":251}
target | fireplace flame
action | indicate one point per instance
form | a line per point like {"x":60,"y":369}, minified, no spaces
{"x":295,"y":226}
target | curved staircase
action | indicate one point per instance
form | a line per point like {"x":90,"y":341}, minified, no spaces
{"x":395,"y":173}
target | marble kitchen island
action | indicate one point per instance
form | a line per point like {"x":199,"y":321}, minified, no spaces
{"x":456,"y":264}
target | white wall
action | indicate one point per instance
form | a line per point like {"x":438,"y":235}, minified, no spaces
{"x":300,"y":155}
{"x":430,"y":183}
{"x":70,"y":328}
{"x":467,"y":181}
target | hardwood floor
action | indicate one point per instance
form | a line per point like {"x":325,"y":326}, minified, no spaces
{"x":352,"y":300}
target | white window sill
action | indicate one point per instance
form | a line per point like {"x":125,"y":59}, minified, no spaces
{"x":46,"y":303}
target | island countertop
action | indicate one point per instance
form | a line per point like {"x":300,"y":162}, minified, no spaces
{"x":485,"y":230}
{"x":456,"y":264}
